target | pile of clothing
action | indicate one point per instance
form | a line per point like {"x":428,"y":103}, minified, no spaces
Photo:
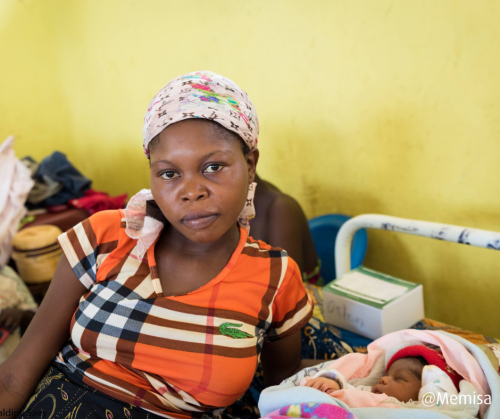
{"x":58,"y":185}
{"x":52,"y":185}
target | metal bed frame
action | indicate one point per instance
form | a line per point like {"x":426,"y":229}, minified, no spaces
{"x":450,"y":233}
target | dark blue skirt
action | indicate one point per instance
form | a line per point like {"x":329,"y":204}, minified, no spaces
{"x":61,"y":394}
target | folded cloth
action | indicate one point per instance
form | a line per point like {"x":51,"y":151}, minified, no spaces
{"x":31,"y":164}
{"x":41,"y":189}
{"x":15,"y":184}
{"x":44,"y":189}
{"x":58,"y":181}
{"x":13,"y":294}
{"x":94,"y":201}
{"x":13,"y":291}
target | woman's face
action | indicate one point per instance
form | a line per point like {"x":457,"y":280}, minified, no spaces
{"x":199,"y":180}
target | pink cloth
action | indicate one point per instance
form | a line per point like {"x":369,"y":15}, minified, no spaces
{"x":140,"y":227}
{"x":359,"y":366}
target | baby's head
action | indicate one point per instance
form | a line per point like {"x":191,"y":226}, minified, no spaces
{"x":403,"y":379}
{"x":200,"y":134}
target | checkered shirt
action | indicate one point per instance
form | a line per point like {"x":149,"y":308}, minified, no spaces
{"x":177,"y":356}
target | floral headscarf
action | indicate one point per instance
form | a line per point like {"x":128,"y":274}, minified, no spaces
{"x":205,"y":95}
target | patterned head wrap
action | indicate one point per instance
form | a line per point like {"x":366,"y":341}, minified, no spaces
{"x":205,"y":95}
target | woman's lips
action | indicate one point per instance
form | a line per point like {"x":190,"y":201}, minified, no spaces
{"x":198,"y":220}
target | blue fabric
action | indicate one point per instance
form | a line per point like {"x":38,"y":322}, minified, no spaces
{"x":324,"y":341}
{"x":384,"y":413}
{"x":58,"y":168}
{"x":289,"y":392}
{"x":63,"y":392}
{"x":490,"y":373}
{"x":324,"y":230}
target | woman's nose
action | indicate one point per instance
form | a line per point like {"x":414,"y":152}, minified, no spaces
{"x":193,"y":191}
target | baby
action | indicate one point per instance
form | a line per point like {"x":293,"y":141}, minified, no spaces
{"x":410,"y":374}
{"x":403,"y":380}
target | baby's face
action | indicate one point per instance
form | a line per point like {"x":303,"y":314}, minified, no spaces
{"x":401,"y":381}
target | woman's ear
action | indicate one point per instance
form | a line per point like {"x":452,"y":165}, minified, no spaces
{"x":252,"y":158}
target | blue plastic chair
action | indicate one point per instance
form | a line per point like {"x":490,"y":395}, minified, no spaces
{"x":324,"y":231}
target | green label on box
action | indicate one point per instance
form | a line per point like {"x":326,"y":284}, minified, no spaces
{"x":370,"y":287}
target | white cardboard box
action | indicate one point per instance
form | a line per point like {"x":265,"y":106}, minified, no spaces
{"x":372,"y":304}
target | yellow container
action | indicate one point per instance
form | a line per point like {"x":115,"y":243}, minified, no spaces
{"x":37,"y":252}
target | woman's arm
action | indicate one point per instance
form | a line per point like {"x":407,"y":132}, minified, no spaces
{"x":285,"y":228}
{"x":46,"y":335}
{"x":281,"y":359}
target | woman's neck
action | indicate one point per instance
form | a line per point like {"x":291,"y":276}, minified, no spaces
{"x":174,"y":241}
{"x":184,"y":266}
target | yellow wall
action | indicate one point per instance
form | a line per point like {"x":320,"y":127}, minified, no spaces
{"x":365,"y":106}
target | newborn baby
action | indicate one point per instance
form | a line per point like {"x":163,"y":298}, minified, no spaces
{"x":410,"y":374}
{"x":403,"y":380}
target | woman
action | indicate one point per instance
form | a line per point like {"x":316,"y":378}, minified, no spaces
{"x":169,"y":303}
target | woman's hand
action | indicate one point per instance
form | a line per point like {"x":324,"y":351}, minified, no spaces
{"x":10,"y":318}
{"x":323,"y":384}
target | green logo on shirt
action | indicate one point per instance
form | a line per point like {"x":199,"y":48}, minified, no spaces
{"x":227,"y":329}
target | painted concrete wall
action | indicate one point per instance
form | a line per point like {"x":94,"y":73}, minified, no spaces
{"x":365,"y":106}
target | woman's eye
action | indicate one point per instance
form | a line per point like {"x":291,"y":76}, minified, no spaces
{"x":169,"y":175}
{"x":214,"y":168}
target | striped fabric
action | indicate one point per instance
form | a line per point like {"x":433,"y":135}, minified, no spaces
{"x":178,"y":356}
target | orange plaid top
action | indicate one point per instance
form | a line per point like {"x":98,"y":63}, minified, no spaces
{"x":175,"y":355}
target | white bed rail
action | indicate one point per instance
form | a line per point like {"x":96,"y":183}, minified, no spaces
{"x":455,"y":234}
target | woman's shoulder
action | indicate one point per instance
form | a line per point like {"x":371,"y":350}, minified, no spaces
{"x":108,"y":215}
{"x":262,"y":246}
{"x":107,"y":222}
{"x":264,"y":251}
{"x":102,"y":227}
